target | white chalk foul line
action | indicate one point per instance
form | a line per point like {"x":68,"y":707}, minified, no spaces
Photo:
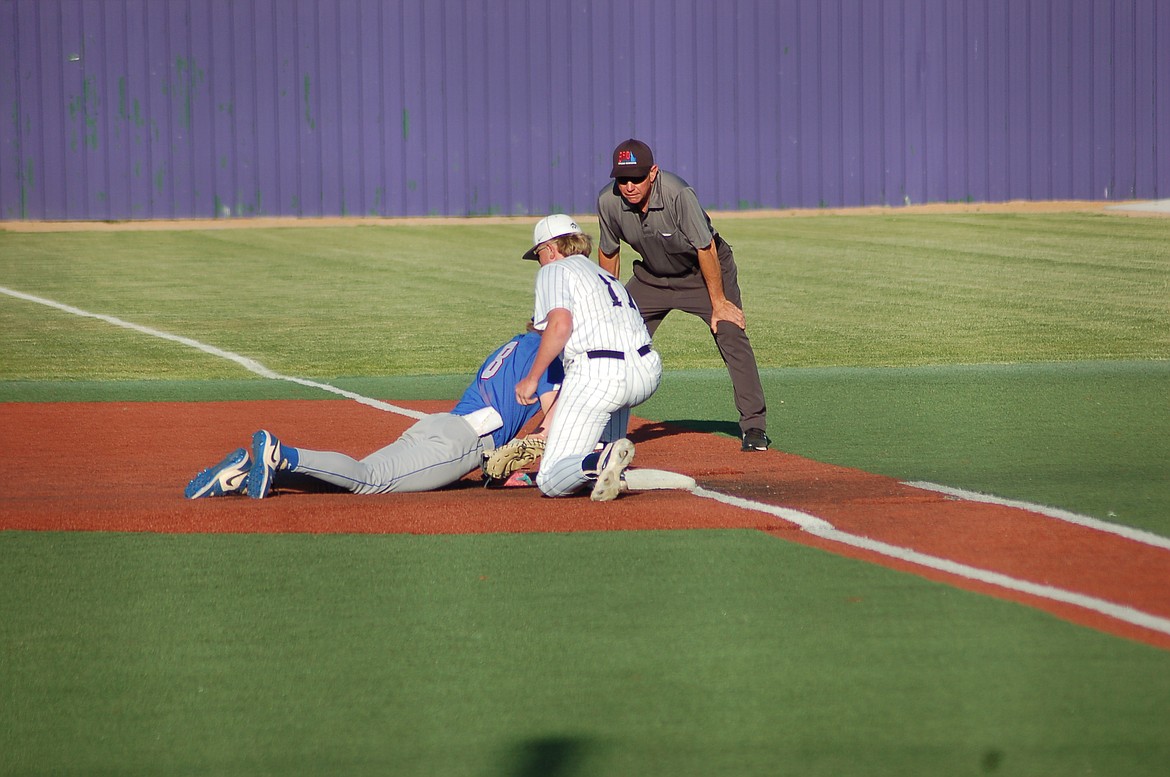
{"x":1137,"y":535}
{"x":821,"y":528}
{"x":1119,"y":612}
{"x":250,"y":365}
{"x":810,"y":523}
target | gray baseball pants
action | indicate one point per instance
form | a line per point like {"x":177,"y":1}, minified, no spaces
{"x":435,"y":452}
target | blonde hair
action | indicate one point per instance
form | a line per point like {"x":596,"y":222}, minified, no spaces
{"x":569,"y":245}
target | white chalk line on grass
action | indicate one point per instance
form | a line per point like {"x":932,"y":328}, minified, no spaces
{"x":806,"y":522}
{"x":821,"y":528}
{"x":251,"y":365}
{"x":1137,"y":535}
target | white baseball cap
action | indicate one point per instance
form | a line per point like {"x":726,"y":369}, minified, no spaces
{"x":556,"y":225}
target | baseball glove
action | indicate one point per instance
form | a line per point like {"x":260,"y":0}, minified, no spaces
{"x":517,"y":454}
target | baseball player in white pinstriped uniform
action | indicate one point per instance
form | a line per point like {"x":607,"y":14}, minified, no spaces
{"x":584,"y":312}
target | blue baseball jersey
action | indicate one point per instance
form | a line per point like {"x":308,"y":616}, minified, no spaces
{"x":495,"y":385}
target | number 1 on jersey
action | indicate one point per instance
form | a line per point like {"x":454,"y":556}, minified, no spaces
{"x":611,"y":282}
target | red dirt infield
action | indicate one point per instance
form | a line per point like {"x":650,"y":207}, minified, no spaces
{"x":122,"y":467}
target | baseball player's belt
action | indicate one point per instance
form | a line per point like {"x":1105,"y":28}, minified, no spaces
{"x":603,"y":354}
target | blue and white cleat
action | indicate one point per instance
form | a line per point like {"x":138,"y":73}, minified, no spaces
{"x":267,"y":458}
{"x":612,"y":462}
{"x":230,"y":476}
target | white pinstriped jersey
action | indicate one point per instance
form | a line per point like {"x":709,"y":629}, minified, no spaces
{"x":604,"y":315}
{"x":609,"y":367}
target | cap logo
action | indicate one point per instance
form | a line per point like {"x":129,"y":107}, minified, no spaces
{"x":626,"y":158}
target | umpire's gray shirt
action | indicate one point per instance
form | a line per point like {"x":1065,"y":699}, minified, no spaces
{"x":667,"y":236}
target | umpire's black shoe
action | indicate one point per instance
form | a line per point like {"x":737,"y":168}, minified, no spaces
{"x":755,"y":440}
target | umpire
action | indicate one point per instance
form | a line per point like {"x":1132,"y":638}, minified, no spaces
{"x":684,"y":265}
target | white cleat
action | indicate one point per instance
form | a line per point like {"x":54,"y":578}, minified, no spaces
{"x":613,"y":461}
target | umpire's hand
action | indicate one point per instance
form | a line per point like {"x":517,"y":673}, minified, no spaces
{"x":729,"y":312}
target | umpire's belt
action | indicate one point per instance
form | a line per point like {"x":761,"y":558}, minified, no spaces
{"x":601,"y":354}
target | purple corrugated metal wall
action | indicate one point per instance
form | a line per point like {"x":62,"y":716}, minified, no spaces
{"x":115,"y":109}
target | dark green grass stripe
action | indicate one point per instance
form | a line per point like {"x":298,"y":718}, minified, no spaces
{"x":405,"y":388}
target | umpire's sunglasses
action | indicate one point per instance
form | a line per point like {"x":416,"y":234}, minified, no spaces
{"x":628,"y":179}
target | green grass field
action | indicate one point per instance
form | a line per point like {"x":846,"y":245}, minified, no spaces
{"x":862,"y":291}
{"x":1022,"y":355}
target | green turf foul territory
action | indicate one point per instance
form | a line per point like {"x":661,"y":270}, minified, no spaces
{"x":399,"y":388}
{"x":650,"y":653}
